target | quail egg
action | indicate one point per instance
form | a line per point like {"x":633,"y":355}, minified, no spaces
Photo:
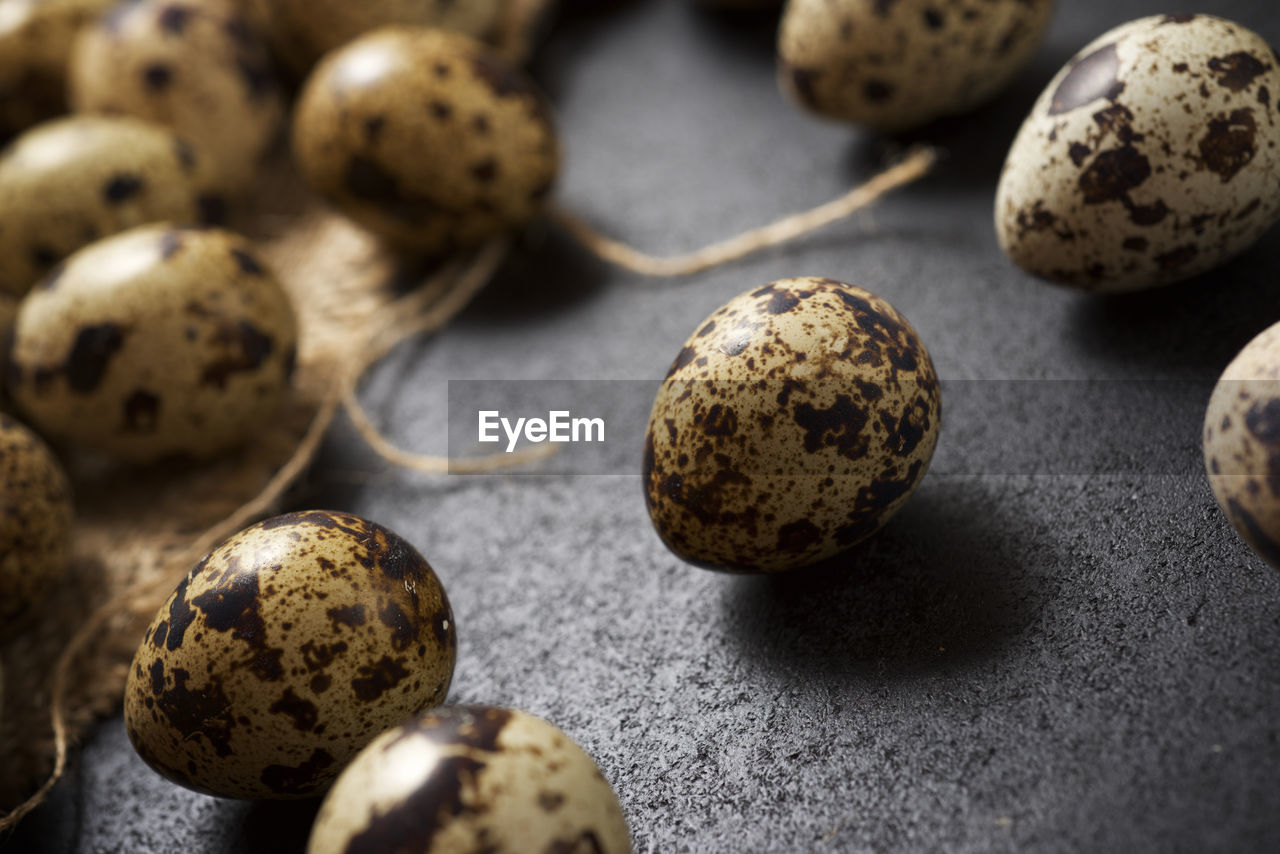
{"x":35,"y":521}
{"x":69,"y":182}
{"x":1152,"y":156}
{"x":427,"y":138}
{"x":471,"y":778}
{"x":1242,"y":444}
{"x":35,"y":44}
{"x":284,"y":652}
{"x":795,"y":421}
{"x":194,"y":65}
{"x":897,"y":64}
{"x":303,"y":30}
{"x":159,"y":341}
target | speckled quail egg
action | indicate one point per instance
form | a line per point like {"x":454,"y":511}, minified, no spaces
{"x":35,"y":43}
{"x":471,"y":778}
{"x":193,"y":65}
{"x":159,"y":341}
{"x":427,"y":138}
{"x":1242,"y":443}
{"x":898,"y":64}
{"x":794,"y":423}
{"x":1150,"y":158}
{"x":35,"y":521}
{"x":303,"y":30}
{"x":72,"y":181}
{"x":284,"y":652}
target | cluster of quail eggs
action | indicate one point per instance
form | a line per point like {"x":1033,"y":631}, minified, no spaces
{"x":137,"y":328}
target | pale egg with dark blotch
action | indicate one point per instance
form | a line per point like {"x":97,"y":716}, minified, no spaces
{"x":794,"y":423}
{"x":286,"y":651}
{"x":1153,"y":156}
{"x":471,"y":778}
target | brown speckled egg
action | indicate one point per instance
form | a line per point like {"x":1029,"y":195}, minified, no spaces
{"x":1242,"y":444}
{"x":302,"y":30}
{"x":35,"y":521}
{"x":35,"y":44}
{"x":159,"y":341}
{"x":1153,"y":155}
{"x":427,"y":138}
{"x":284,"y":652}
{"x":193,"y":65}
{"x":795,"y":421}
{"x":72,"y":181}
{"x":898,"y":64}
{"x":471,"y":778}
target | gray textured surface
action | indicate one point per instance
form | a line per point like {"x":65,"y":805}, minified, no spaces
{"x":1049,"y":663}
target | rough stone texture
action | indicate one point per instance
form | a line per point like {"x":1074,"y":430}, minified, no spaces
{"x":1017,"y":662}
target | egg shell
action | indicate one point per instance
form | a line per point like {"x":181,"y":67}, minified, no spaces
{"x":159,"y":341}
{"x":471,"y":778}
{"x":794,"y":423}
{"x":284,"y":652}
{"x":1151,"y":157}
{"x":898,"y":64}
{"x":194,"y":65}
{"x":427,"y":138}
{"x":36,"y":515}
{"x":301,"y":31}
{"x":1242,"y":443}
{"x":35,"y":45}
{"x":69,"y":182}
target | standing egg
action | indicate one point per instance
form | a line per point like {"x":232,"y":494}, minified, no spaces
{"x":794,"y":423}
{"x":427,"y":138}
{"x":1154,"y":155}
{"x":194,"y":65}
{"x":158,"y":341}
{"x":471,"y":778}
{"x":69,"y":182}
{"x":35,"y":45}
{"x":35,"y":521}
{"x":284,"y":652}
{"x":1242,"y":444}
{"x":301,"y":31}
{"x":898,"y":64}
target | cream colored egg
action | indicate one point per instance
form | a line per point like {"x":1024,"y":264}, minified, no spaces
{"x":427,"y":138}
{"x":35,"y":522}
{"x":898,"y":64}
{"x":284,"y":652}
{"x":156,"y":342}
{"x":796,"y":420}
{"x":471,"y":778}
{"x":35,"y":45}
{"x":196,"y":66}
{"x":301,"y":31}
{"x":69,"y":182}
{"x":1154,"y":155}
{"x":1242,"y":444}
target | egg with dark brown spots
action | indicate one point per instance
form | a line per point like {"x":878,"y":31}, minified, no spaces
{"x":1242,"y":444}
{"x":157,"y":342}
{"x":898,"y":64}
{"x":284,"y":652}
{"x":795,"y":421}
{"x":194,"y":65}
{"x":301,"y":31}
{"x":471,"y":778}
{"x":427,"y":138}
{"x":36,"y":515}
{"x":36,"y":37}
{"x":72,"y":181}
{"x":1153,"y":156}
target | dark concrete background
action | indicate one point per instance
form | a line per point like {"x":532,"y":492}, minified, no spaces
{"x":1018,"y":662}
